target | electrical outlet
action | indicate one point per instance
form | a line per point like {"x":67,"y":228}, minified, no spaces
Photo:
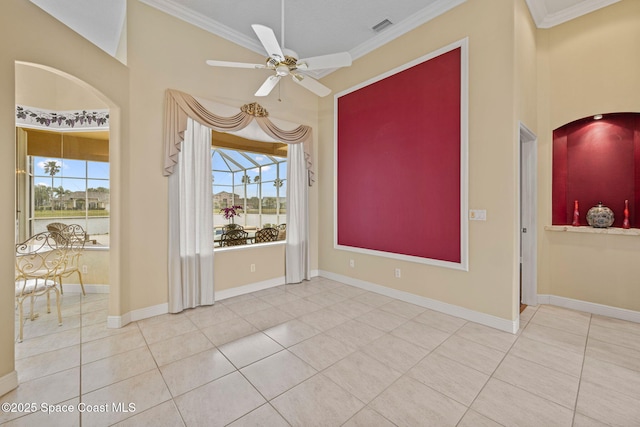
{"x":253,"y":268}
{"x":85,"y":269}
{"x":352,"y":263}
{"x":397,"y":273}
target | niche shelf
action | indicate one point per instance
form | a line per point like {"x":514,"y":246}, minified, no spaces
{"x":597,"y":161}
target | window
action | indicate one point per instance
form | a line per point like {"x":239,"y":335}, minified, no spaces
{"x":62,"y":189}
{"x":255,"y":181}
{"x":66,"y":180}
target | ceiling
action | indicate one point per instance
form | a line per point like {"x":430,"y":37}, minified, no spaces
{"x":101,"y":22}
{"x":311,"y":27}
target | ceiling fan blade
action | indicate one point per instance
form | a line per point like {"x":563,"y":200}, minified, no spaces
{"x":215,"y":63}
{"x":269,"y":41}
{"x":311,"y":84}
{"x":335,"y":60}
{"x":267,"y":86}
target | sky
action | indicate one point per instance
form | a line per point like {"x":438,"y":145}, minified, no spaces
{"x":73,"y":174}
{"x":222,"y":181}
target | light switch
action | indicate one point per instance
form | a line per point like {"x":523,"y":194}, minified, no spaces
{"x":478,"y":215}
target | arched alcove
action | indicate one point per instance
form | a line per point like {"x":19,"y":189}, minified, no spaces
{"x":38,"y":85}
{"x":597,"y":159}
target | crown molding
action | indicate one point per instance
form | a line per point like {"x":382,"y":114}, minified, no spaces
{"x":205,"y":23}
{"x":538,"y":11}
{"x":201,"y":21}
{"x":217,"y":28}
{"x":544,"y":19}
{"x":394,"y":31}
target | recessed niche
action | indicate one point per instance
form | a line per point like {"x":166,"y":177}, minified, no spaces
{"x":597,"y":160}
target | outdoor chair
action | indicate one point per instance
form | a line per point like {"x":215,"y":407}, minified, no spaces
{"x":57,"y":227}
{"x":228,"y":227}
{"x":234,"y":238}
{"x":39,"y":261}
{"x":266,"y":235}
{"x":282,"y":231}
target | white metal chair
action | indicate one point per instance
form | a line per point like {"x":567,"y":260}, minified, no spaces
{"x":39,"y":261}
{"x":73,"y":237}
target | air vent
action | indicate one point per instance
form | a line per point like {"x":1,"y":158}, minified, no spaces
{"x":381,"y":25}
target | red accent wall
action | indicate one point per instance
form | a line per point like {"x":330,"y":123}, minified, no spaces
{"x":398,"y":162}
{"x":597,"y":161}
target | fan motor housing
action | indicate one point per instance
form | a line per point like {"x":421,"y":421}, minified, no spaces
{"x":282,"y":70}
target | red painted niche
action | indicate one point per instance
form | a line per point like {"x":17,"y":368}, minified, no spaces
{"x":597,"y":161}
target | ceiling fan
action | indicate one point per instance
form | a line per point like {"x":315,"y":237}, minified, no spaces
{"x":285,"y":62}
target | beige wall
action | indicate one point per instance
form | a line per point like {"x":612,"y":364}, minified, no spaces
{"x":490,"y":285}
{"x":525,"y":46}
{"x":233,"y":266}
{"x":97,"y":263}
{"x":39,"y":88}
{"x":591,"y":65}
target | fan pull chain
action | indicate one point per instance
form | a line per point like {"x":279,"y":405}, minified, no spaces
{"x":279,"y":82}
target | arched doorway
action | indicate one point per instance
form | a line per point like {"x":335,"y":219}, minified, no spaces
{"x":47,"y":89}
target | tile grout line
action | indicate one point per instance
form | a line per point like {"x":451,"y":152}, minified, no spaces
{"x":489,"y":379}
{"x":318,"y":372}
{"x":173,"y":401}
{"x":388,"y":333}
{"x":80,"y":367}
{"x":584,"y":358}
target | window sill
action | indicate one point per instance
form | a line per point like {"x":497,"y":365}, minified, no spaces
{"x":96,"y":248}
{"x":591,"y":230}
{"x":249,"y":246}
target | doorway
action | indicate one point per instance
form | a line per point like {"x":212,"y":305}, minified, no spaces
{"x":528,"y":216}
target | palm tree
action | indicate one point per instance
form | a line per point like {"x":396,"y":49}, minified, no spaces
{"x":278,"y":183}
{"x":51,"y":167}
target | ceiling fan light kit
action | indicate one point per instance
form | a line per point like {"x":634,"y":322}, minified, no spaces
{"x":285,"y":62}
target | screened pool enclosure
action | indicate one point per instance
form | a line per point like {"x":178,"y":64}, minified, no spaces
{"x":255,"y":181}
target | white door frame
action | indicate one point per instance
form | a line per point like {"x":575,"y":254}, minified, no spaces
{"x":528,"y":215}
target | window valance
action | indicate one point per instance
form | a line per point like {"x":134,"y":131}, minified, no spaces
{"x":179,"y":106}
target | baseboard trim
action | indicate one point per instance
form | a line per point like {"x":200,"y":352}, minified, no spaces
{"x":590,"y":307}
{"x":253,"y":287}
{"x":115,"y":322}
{"x":132,"y":316}
{"x":74,"y":288}
{"x":506,"y":325}
{"x":8,"y":382}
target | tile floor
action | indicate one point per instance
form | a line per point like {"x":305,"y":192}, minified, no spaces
{"x":327,"y":354}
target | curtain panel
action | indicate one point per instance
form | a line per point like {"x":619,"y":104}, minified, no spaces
{"x":190,"y":264}
{"x":297,"y":266}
